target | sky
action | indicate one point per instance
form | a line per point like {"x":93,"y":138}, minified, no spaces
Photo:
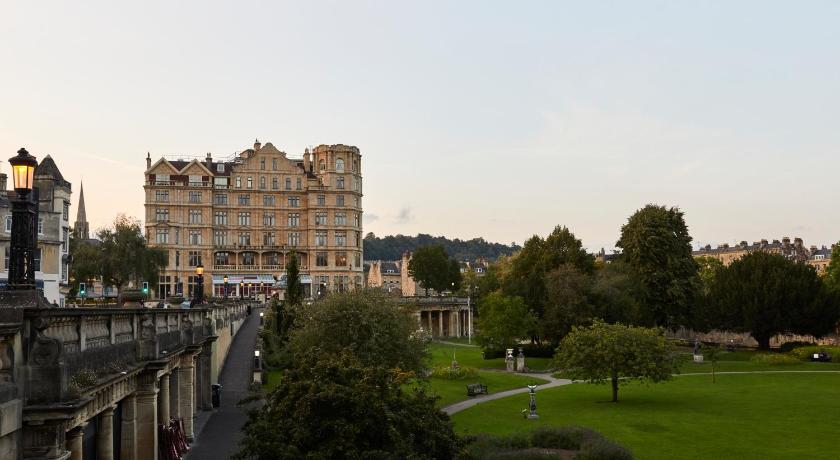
{"x":475,"y":119}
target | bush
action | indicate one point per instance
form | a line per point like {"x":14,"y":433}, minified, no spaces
{"x":457,"y":373}
{"x":787,"y":347}
{"x":567,"y":437}
{"x":775,"y":359}
{"x":805,"y":353}
{"x":603,"y":449}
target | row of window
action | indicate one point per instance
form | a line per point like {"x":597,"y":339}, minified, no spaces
{"x":162,"y":196}
{"x":249,"y":258}
{"x":220,"y":238}
{"x":244,"y":218}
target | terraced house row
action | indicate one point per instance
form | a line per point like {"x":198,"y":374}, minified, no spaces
{"x":242,"y":218}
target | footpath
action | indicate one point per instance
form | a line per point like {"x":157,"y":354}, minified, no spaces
{"x":220,"y":434}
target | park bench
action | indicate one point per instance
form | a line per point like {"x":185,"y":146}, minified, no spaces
{"x":476,"y":389}
{"x":821,"y":357}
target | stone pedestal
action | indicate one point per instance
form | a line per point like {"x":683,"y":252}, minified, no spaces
{"x":520,"y":361}
{"x":105,"y":435}
{"x":698,"y":358}
{"x":509,"y":360}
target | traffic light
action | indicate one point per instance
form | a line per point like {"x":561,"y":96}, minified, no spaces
{"x":145,"y":288}
{"x":82,"y":290}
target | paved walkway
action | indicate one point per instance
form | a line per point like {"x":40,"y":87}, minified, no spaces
{"x":456,"y":344}
{"x":462,"y":405}
{"x":219,"y":439}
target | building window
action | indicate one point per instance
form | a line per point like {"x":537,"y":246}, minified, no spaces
{"x":162,"y":196}
{"x":358,"y":258}
{"x":274,"y":164}
{"x":340,"y":218}
{"x":288,"y":183}
{"x":162,"y":236}
{"x":162,"y":179}
{"x":220,"y":198}
{"x":321,"y":238}
{"x":298,"y":184}
{"x":322,"y":165}
{"x":294,"y":239}
{"x":320,"y":259}
{"x":339,"y":200}
{"x":358,"y":239}
{"x":250,"y":182}
{"x":340,"y":238}
{"x":294,"y":220}
{"x":195,"y":216}
{"x":269,"y":200}
{"x":262,"y":182}
{"x":245,"y":238}
{"x":8,"y":228}
{"x":268,"y":219}
{"x":248,"y":258}
{"x":177,"y":236}
{"x":221,"y":258}
{"x":341,"y":259}
{"x":161,"y":215}
{"x":195,"y":237}
{"x":294,"y":201}
{"x":194,"y":259}
{"x":339,"y":165}
{"x":37,"y":256}
{"x":262,"y":164}
{"x":339,"y":182}
{"x":271,"y":258}
{"x":268,"y":239}
{"x":220,"y":167}
{"x":220,"y":218}
{"x":65,"y":214}
{"x":220,"y":238}
{"x":322,"y":200}
{"x":195,"y":197}
{"x":40,"y":225}
{"x":238,"y":182}
{"x":320,"y":218}
{"x":65,"y":238}
{"x":244,"y":218}
{"x":275,"y":183}
{"x":355,"y":184}
{"x":355,"y":220}
{"x":244,"y":200}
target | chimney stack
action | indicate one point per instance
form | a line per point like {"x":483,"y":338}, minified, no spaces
{"x":209,"y":162}
{"x":798,"y":242}
{"x":148,"y":161}
{"x":307,"y":163}
{"x":786,"y":240}
{"x":257,"y":144}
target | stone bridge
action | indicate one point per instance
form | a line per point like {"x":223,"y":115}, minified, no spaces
{"x":96,"y":383}
{"x":441,"y":316}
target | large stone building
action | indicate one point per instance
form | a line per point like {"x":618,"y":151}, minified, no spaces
{"x":51,"y":259}
{"x":819,"y":258}
{"x":242,"y":218}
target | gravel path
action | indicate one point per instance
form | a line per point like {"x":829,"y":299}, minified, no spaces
{"x":462,"y":405}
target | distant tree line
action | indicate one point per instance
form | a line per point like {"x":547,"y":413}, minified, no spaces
{"x":392,"y":247}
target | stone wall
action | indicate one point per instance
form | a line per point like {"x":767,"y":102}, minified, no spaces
{"x":745,"y":340}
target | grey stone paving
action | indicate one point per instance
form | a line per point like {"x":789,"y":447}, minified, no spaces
{"x":221,"y":433}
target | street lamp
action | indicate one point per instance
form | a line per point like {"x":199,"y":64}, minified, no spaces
{"x":225,"y":279}
{"x":241,"y":289}
{"x":199,"y":289}
{"x":24,"y":227}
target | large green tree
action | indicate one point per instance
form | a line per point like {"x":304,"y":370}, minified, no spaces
{"x":767,"y":294}
{"x":617,"y":354}
{"x":367,"y":323}
{"x":124,"y":255}
{"x":503,"y":321}
{"x":832,"y":273}
{"x":335,"y":406}
{"x":433,"y":269}
{"x":657,"y":246}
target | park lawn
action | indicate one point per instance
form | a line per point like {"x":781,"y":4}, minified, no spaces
{"x":743,"y":416}
{"x":441,"y":354}
{"x":452,"y":391}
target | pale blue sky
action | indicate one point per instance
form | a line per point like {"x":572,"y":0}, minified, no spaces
{"x":494,"y":119}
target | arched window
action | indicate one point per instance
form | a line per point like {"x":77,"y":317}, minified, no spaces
{"x":322,"y":165}
{"x":339,"y":165}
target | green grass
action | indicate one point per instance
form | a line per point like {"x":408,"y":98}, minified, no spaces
{"x":452,"y":391}
{"x":744,"y":416}
{"x":273,"y":379}
{"x":471,"y":357}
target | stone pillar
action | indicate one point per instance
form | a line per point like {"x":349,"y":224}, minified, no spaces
{"x":147,"y":415}
{"x":457,"y":314}
{"x":186,"y":393}
{"x":163,"y":400}
{"x":74,"y":442}
{"x":174,"y":395}
{"x":205,"y":366}
{"x":105,"y":435}
{"x":440,"y":323}
{"x":128,"y":431}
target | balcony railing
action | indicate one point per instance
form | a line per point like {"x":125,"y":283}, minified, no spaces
{"x":250,"y":268}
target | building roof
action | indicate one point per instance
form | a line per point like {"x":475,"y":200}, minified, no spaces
{"x":48,"y":168}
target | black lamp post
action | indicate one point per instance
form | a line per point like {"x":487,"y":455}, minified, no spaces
{"x":24,"y":223}
{"x":241,"y":289}
{"x":226,"y":286}
{"x":199,"y":289}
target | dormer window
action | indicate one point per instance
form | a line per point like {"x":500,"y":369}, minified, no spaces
{"x":339,"y":165}
{"x":220,"y":167}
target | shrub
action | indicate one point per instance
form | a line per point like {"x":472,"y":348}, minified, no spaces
{"x":775,"y":359}
{"x":787,"y":347}
{"x":805,"y":353}
{"x":567,"y":437}
{"x":603,"y":449}
{"x":457,"y":373}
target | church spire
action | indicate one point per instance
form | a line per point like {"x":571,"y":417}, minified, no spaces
{"x":81,"y":228}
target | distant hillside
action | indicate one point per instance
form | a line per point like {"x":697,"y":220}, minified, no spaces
{"x":392,"y":247}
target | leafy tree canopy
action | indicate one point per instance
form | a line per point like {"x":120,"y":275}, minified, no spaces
{"x":392,"y":247}
{"x":433,"y":269}
{"x":832,"y":273}
{"x":617,"y":353}
{"x":657,"y":246}
{"x":766,"y":294}
{"x":503,"y":321}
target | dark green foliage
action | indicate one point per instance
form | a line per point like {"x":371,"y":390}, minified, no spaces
{"x":503,"y":321}
{"x":294,"y":290}
{"x":122,"y":255}
{"x":368,"y":324}
{"x":766,"y":294}
{"x":335,"y":406}
{"x":603,"y":449}
{"x":832,"y":272}
{"x":545,"y":443}
{"x":657,"y":247}
{"x":393,"y":247}
{"x":567,"y":437}
{"x":433,"y":269}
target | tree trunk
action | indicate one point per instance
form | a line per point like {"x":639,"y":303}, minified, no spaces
{"x":763,"y":343}
{"x":615,"y":388}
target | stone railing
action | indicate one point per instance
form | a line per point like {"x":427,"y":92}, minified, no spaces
{"x":62,"y":346}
